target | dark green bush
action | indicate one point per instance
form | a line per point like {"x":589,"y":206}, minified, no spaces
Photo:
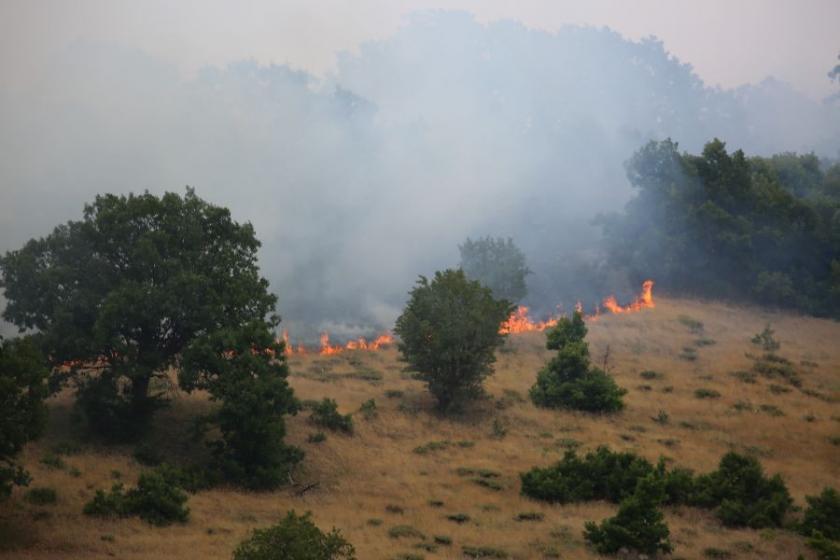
{"x":41,"y":496}
{"x":191,"y":478}
{"x":823,"y":515}
{"x":600,"y":475}
{"x":568,"y":380}
{"x":825,"y":548}
{"x":157,"y":500}
{"x":449,"y":332}
{"x":741,"y":494}
{"x":639,"y":524}
{"x":326,"y":415}
{"x":296,"y":537}
{"x":154,"y":499}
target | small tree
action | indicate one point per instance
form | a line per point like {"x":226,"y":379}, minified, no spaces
{"x":448,"y":332}
{"x":128,"y":288}
{"x":823,"y":515}
{"x":296,"y":537}
{"x":639,"y":524}
{"x":498,"y":264}
{"x":22,"y":411}
{"x":569,"y":380}
{"x":245,"y":369}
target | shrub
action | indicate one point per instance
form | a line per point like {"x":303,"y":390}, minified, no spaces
{"x":568,"y":380}
{"x":766,"y":340}
{"x":41,"y":496}
{"x":639,"y":524}
{"x":108,"y":504}
{"x":154,"y":499}
{"x":317,"y":437}
{"x":296,"y":537}
{"x":600,"y":475}
{"x":157,"y":500}
{"x":368,"y":409}
{"x":823,"y":515}
{"x":448,"y":333}
{"x":825,"y":548}
{"x":483,"y":552}
{"x":741,"y":493}
{"x":326,"y":415}
{"x":191,"y":478}
{"x":405,"y":531}
{"x":706,"y":394}
{"x":650,"y":374}
{"x":148,"y":455}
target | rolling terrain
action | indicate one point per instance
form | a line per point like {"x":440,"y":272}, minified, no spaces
{"x":406,"y":473}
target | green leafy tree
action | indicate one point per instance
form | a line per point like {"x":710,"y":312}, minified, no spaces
{"x":639,"y":524}
{"x":23,"y":375}
{"x":296,"y":537}
{"x":498,"y":264}
{"x":449,"y":331}
{"x":721,"y":224}
{"x":127,"y":288}
{"x":244,"y":368}
{"x":569,"y":380}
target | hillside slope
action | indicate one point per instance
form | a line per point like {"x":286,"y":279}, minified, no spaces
{"x":388,"y":475}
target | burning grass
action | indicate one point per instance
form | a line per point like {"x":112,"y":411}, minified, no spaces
{"x":435,"y":493}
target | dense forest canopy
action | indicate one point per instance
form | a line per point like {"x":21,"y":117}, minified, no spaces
{"x":726,"y":225}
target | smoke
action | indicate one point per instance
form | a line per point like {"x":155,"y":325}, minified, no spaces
{"x":358,"y":182}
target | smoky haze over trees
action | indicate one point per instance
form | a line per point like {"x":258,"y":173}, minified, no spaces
{"x":446,"y":130}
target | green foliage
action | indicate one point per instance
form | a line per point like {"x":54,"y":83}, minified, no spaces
{"x":720,"y":224}
{"x":823,"y":515}
{"x":766,"y":340}
{"x":599,"y":475}
{"x":448,"y":333}
{"x":128,"y":288}
{"x":498,"y":264}
{"x":326,"y":415}
{"x":639,"y":525}
{"x":704,"y":393}
{"x":22,"y":411}
{"x":742,"y":495}
{"x":368,"y":409}
{"x":483,"y":552}
{"x":296,"y":537}
{"x":41,"y":496}
{"x":155,"y":499}
{"x":569,"y":380}
{"x":825,"y":548}
{"x":245,"y":369}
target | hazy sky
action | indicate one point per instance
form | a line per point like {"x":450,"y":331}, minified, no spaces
{"x":728,"y":42}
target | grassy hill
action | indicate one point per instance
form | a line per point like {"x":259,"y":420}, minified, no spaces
{"x":397,"y":483}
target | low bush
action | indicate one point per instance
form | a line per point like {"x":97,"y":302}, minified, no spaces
{"x":405,"y":531}
{"x":741,"y":494}
{"x":706,"y":394}
{"x":600,"y":475}
{"x":483,"y":552}
{"x":41,"y":496}
{"x":296,"y":537}
{"x":639,"y":525}
{"x":155,"y":500}
{"x":368,"y":409}
{"x":326,"y":415}
{"x":823,"y":515}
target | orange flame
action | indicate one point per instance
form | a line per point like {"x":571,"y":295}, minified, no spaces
{"x":519,"y":322}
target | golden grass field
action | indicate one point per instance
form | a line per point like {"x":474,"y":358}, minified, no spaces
{"x":374,"y":480}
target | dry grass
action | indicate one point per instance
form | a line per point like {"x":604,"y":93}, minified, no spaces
{"x":361,"y":476}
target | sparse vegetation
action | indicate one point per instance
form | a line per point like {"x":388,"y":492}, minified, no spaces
{"x":41,"y":496}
